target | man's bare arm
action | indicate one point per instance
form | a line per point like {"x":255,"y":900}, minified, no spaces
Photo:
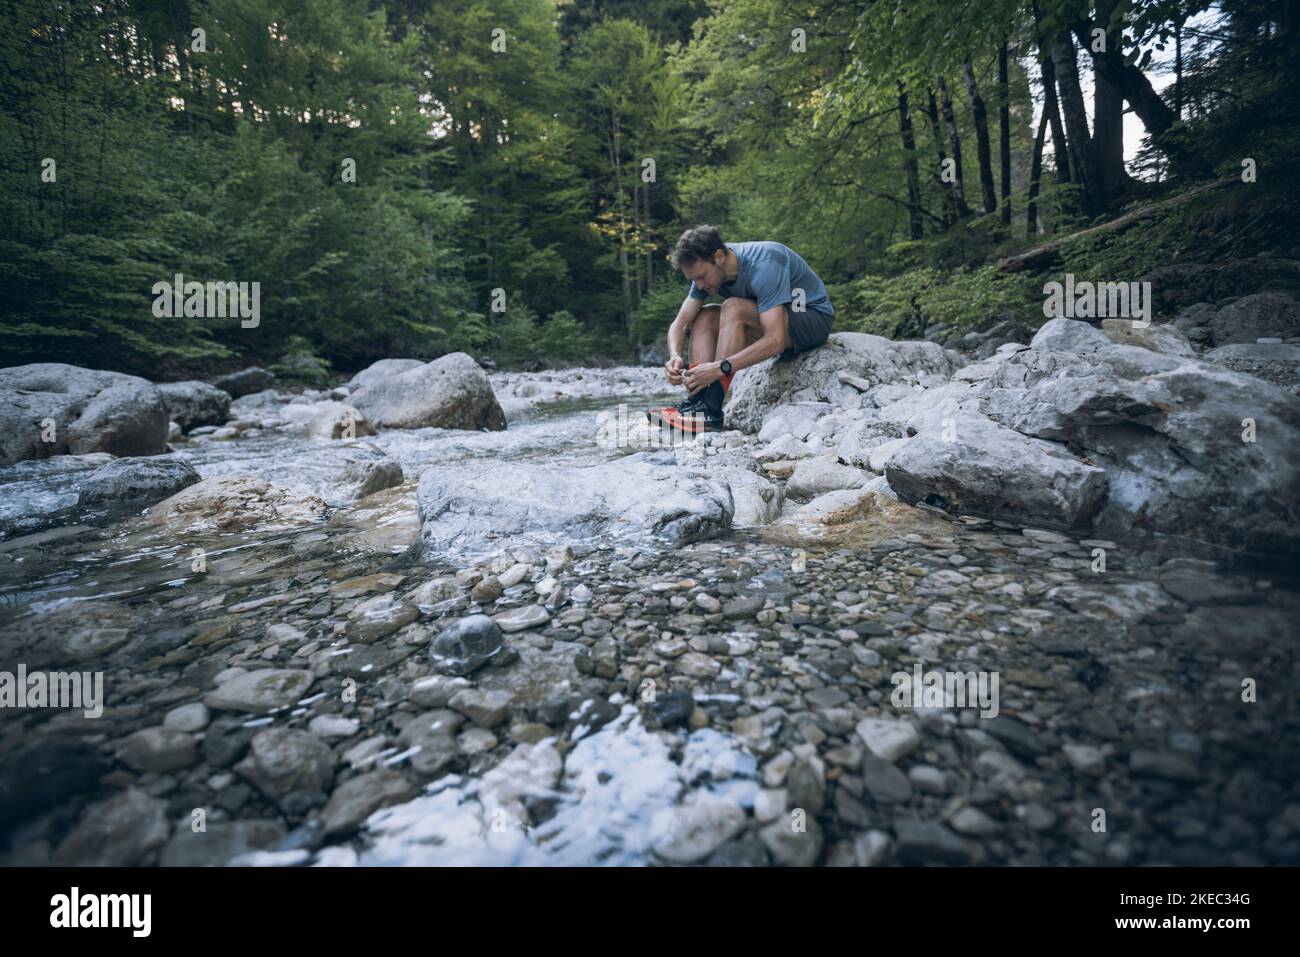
{"x":677,"y":331}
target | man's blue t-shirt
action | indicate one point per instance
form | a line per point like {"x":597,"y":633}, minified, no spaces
{"x":769,"y":274}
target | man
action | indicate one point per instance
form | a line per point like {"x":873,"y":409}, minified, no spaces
{"x":773,"y":304}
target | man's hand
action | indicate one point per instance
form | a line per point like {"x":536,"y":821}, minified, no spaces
{"x":673,"y":368}
{"x":703,"y":374}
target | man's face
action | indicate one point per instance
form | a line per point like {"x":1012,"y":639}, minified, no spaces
{"x":707,"y":275}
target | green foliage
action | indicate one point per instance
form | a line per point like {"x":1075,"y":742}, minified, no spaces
{"x":561,"y":338}
{"x":657,"y":308}
{"x":299,"y":363}
{"x":903,"y":305}
{"x":480,"y":168}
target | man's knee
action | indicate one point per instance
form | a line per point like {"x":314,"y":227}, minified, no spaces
{"x":708,"y":316}
{"x":738,"y":310}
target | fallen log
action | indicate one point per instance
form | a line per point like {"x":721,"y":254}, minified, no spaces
{"x":1040,"y":257}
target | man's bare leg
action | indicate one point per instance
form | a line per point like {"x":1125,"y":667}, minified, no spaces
{"x":739,"y":327}
{"x":704,"y":334}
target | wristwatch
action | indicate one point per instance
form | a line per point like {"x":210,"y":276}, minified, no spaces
{"x":725,"y":366}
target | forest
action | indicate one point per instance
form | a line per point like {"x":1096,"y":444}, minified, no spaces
{"x":506,"y":177}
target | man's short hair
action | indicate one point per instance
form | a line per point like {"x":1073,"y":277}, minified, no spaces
{"x":695,"y":245}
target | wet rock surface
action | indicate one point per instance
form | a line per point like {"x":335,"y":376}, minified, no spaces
{"x":50,"y":408}
{"x":329,"y":687}
{"x":452,"y":393}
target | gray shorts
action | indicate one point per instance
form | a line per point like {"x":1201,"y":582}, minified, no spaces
{"x":808,"y":330}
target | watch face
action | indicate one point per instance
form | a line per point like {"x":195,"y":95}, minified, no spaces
{"x":726,"y":367}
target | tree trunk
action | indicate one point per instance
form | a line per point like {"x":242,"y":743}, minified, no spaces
{"x":616,"y":160}
{"x":1047,"y":65}
{"x":1107,"y":118}
{"x":988,"y":194}
{"x":1178,"y":70}
{"x":1132,"y":84}
{"x":634,"y":232}
{"x":1076,"y":120}
{"x":1052,"y":110}
{"x":1035,"y":175}
{"x":909,"y":164}
{"x":950,"y":121}
{"x":945,"y":189}
{"x":649,"y":253}
{"x":1004,"y":131}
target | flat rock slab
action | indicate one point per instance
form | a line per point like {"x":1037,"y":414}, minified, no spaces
{"x":975,"y":466}
{"x":866,"y":361}
{"x":261,"y":692}
{"x":640,"y":496}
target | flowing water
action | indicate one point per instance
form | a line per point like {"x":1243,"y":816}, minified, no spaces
{"x":163,"y":609}
{"x":620,"y":784}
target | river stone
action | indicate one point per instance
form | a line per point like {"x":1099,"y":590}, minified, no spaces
{"x":1257,"y":316}
{"x":159,"y":749}
{"x":194,"y":403}
{"x":927,"y":842}
{"x":466,"y":645}
{"x":889,"y":738}
{"x":431,"y":593}
{"x":232,"y":503}
{"x":135,"y":481}
{"x":121,"y":831}
{"x":514,"y":574}
{"x":521,"y":618}
{"x":90,"y":410}
{"x":885,"y":782}
{"x":529,"y":770}
{"x":285,"y":761}
{"x":673,"y":707}
{"x":879,"y":457}
{"x":1156,"y":336}
{"x":1275,"y":362}
{"x":379,"y":616}
{"x":1168,"y":430}
{"x":328,"y":419}
{"x":1178,"y":285}
{"x":432,"y":738}
{"x":333,"y":727}
{"x":379,"y":371}
{"x":814,"y":376}
{"x":639,"y":495}
{"x":791,"y":847}
{"x":845,"y":506}
{"x":978,"y":467}
{"x":356,"y":799}
{"x":692,"y":832}
{"x":745,"y":606}
{"x":219,"y":842}
{"x":816,"y":476}
{"x":1163,"y":764}
{"x":452,"y":392}
{"x":795,"y":420}
{"x":973,"y":822}
{"x":188,"y":717}
{"x":486,"y":708}
{"x":86,"y":642}
{"x":260,"y":692}
{"x":43,"y":774}
{"x":245,"y":381}
{"x":486,"y":589}
{"x":755,"y":500}
{"x":855,"y":443}
{"x":696,"y":665}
